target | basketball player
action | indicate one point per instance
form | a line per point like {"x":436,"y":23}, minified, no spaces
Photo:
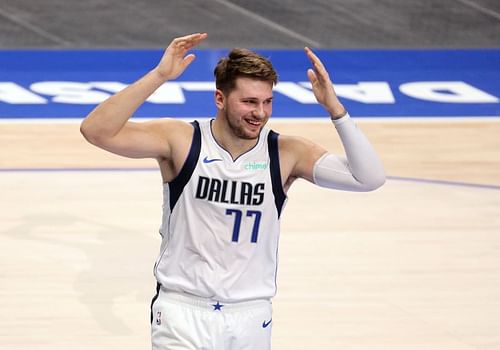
{"x":225,"y":183}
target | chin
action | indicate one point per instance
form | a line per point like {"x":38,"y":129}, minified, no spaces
{"x":248,"y":136}
{"x":251,"y":135}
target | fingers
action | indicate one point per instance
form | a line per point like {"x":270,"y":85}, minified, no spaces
{"x":187,"y":60}
{"x":312,"y":76}
{"x":313,"y":58}
{"x":319,"y":69}
{"x":189,"y":41}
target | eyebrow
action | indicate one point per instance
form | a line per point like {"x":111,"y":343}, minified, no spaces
{"x":256,"y":98}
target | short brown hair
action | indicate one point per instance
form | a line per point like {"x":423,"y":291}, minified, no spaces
{"x":242,"y":63}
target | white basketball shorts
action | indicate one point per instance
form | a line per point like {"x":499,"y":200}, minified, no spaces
{"x":184,"y":322}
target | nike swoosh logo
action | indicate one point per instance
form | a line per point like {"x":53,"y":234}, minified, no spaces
{"x":206,"y":160}
{"x":265,"y":324}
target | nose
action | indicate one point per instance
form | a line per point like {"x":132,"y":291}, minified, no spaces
{"x":259,"y":111}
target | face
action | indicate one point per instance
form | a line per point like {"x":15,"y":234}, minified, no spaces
{"x":247,"y":108}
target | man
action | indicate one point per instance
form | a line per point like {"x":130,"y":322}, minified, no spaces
{"x":225,"y":184}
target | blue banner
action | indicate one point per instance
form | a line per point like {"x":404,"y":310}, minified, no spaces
{"x":370,"y":83}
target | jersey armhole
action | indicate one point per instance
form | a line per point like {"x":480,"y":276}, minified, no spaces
{"x":176,"y":186}
{"x":279,"y":193}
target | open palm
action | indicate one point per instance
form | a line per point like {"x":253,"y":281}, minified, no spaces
{"x":321,"y":84}
{"x":174,"y":60}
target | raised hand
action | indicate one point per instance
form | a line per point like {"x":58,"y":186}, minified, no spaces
{"x":322,"y":85}
{"x":174,"y":60}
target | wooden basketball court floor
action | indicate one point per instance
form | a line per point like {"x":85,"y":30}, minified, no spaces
{"x":414,"y":265}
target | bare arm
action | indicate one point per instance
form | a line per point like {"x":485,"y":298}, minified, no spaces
{"x":108,"y":125}
{"x":361,"y":170}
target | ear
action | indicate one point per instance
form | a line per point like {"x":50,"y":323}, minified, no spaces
{"x":220,"y":99}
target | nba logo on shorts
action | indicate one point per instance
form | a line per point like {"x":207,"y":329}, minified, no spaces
{"x":158,"y":318}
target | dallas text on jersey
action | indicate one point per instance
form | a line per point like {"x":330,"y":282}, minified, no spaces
{"x":225,"y":191}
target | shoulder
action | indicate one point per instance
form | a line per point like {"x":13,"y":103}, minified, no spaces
{"x":167,"y":130}
{"x":297,"y":156}
{"x":295,"y":145}
{"x":168,"y":126}
{"x":178,"y":134}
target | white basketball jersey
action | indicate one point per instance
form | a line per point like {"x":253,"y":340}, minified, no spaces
{"x":220,"y":226}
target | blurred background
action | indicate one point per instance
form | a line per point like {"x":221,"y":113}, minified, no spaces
{"x":260,"y":23}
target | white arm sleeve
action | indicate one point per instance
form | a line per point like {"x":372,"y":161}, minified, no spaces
{"x":361,"y":171}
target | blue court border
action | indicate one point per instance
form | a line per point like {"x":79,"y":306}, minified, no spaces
{"x":69,"y":83}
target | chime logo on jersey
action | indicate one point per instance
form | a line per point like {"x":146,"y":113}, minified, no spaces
{"x":225,"y":191}
{"x":255,"y":166}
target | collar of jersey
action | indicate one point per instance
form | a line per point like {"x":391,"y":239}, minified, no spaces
{"x":226,"y":151}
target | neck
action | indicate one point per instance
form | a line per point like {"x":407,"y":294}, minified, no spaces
{"x":226,"y":138}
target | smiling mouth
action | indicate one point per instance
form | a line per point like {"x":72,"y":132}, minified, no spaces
{"x":255,"y":123}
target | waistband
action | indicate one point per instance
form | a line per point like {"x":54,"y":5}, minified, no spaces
{"x":212,"y":304}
